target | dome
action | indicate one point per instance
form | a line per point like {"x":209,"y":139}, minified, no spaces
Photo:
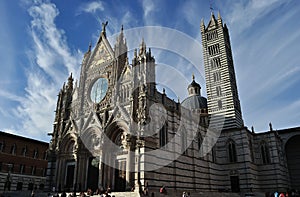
{"x":195,"y":102}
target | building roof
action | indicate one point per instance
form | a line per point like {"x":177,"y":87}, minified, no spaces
{"x":2,"y":133}
{"x":194,"y":84}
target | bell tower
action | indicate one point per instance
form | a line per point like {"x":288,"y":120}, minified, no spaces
{"x":222,"y":93}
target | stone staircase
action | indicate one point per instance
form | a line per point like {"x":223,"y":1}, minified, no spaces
{"x":136,"y":194}
{"x":125,"y":194}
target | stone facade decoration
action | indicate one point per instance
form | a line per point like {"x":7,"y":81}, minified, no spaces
{"x":115,"y":130}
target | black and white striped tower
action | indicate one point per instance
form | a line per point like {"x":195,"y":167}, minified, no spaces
{"x":222,"y":93}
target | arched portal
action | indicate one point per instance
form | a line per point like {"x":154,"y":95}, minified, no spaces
{"x":91,"y":140}
{"x":116,"y":173}
{"x":292,"y":149}
{"x":66,"y":164}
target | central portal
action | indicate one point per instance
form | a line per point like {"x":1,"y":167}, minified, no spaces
{"x":93,"y":173}
{"x":120,"y":175}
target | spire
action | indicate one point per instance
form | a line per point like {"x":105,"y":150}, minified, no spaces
{"x":193,"y":77}
{"x":219,"y":18}
{"x":202,"y":25}
{"x":120,"y":45}
{"x":88,"y":51}
{"x":90,"y":46}
{"x":135,"y":53}
{"x":121,"y":36}
{"x":142,"y":47}
{"x":70,"y":81}
{"x":202,"y":22}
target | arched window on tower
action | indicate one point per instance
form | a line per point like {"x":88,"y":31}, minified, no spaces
{"x":232,"y":151}
{"x":184,"y":141}
{"x":218,"y":90}
{"x":213,"y":154}
{"x":199,"y":143}
{"x":220,"y":104}
{"x":163,"y":135}
{"x":265,"y":155}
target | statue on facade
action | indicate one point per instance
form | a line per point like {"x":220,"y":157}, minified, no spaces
{"x":104,"y":26}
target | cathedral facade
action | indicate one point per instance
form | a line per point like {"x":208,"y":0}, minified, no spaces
{"x":115,"y":129}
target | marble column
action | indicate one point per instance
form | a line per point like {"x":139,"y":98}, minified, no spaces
{"x":128,"y":166}
{"x":100,"y":168}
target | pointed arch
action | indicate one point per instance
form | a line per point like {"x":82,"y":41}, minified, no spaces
{"x":113,"y":129}
{"x":199,"y":140}
{"x":264,"y":151}
{"x":184,"y":141}
{"x":163,"y":135}
{"x":68,"y":143}
{"x":232,"y":157}
{"x":92,"y":139}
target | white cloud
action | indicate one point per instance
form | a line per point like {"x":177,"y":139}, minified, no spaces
{"x":91,"y":7}
{"x":148,"y":7}
{"x":10,"y":96}
{"x":51,"y":62}
{"x":246,"y":14}
{"x":50,"y":42}
{"x":189,"y":14}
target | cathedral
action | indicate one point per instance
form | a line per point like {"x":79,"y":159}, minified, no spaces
{"x":114,"y":129}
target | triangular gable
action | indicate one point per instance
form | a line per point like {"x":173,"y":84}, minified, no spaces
{"x":84,"y":122}
{"x":91,"y":120}
{"x":102,"y":53}
{"x":119,"y":112}
{"x":212,"y":23}
{"x":126,"y":74}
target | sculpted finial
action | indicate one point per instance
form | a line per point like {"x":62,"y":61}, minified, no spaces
{"x":104,"y":26}
{"x":271,"y":127}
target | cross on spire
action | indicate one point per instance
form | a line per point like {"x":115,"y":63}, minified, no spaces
{"x":211,"y":6}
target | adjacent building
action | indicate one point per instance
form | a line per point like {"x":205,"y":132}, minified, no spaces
{"x":23,"y":163}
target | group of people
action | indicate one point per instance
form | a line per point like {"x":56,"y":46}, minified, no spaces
{"x":102,"y":192}
{"x":186,"y":194}
{"x":290,"y":193}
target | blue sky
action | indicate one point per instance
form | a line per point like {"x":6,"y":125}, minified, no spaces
{"x":43,"y":41}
